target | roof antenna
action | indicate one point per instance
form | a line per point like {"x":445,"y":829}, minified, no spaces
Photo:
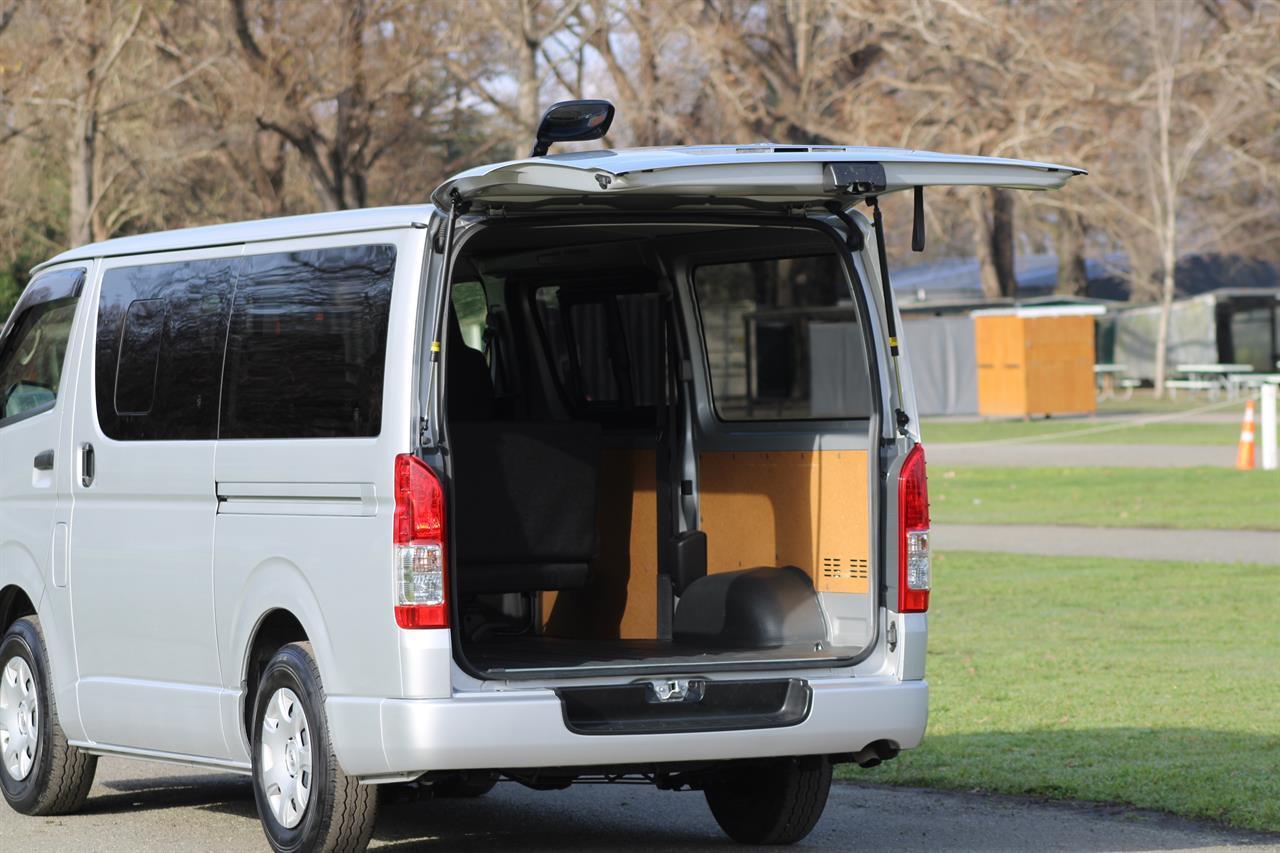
{"x":572,"y":121}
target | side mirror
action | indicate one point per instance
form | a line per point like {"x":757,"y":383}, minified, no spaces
{"x":572,"y":121}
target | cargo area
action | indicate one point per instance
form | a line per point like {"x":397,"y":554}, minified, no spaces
{"x":659,"y":440}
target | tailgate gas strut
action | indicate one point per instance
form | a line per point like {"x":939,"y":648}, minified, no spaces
{"x":457,"y":207}
{"x":877,"y":222}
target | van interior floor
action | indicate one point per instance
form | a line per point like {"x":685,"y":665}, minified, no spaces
{"x":546,"y":655}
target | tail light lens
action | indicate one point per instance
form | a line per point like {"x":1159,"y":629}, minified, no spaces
{"x":419,"y":539}
{"x":913,"y":534}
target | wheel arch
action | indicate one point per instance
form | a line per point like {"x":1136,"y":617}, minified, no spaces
{"x":275,"y":629}
{"x":14,"y":604}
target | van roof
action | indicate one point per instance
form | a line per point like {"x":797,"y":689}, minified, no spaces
{"x":253,"y":231}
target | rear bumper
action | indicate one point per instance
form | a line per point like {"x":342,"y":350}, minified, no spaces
{"x":375,"y":737}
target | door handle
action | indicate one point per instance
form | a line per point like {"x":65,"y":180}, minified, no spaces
{"x":86,"y":464}
{"x":44,"y":460}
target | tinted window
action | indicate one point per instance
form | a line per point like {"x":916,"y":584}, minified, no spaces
{"x":161,"y":331}
{"x":31,"y":359}
{"x":783,"y":340}
{"x":307,"y":343}
{"x":139,"y":356}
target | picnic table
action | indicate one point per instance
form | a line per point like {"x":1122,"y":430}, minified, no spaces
{"x":1105,"y":375}
{"x":1210,"y":378}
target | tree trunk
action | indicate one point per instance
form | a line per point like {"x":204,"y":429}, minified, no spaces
{"x":82,"y":142}
{"x":1002,"y":241}
{"x":993,"y":242}
{"x":527,"y":93}
{"x":82,"y":153}
{"x":1168,"y":263}
{"x":1068,"y":239}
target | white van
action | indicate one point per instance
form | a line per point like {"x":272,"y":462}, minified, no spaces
{"x":600,"y":465}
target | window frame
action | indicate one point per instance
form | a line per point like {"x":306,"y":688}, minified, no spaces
{"x":49,"y":290}
{"x":856,"y":305}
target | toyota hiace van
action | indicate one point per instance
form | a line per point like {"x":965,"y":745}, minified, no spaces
{"x":597,"y":465}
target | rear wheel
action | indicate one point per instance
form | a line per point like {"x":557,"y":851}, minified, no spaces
{"x":40,"y":773}
{"x":771,"y":802}
{"x":305,"y":801}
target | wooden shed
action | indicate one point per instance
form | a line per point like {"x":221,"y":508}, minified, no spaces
{"x":1035,"y":361}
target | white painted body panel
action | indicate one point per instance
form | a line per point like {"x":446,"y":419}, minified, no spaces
{"x":320,"y":548}
{"x":35,"y":507}
{"x":142,"y":566}
{"x":526,"y":728}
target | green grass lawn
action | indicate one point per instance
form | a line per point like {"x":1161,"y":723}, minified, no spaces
{"x":1144,"y":402}
{"x":1108,"y":497}
{"x":1147,"y":683}
{"x":1080,"y":430}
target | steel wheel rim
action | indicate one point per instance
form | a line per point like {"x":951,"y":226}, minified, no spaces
{"x":284,"y":765}
{"x":19,"y":718}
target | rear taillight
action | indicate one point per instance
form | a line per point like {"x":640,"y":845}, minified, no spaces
{"x":913,"y":534}
{"x":419,"y":540}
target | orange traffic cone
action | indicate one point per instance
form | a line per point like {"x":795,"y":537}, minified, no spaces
{"x":1244,"y":454}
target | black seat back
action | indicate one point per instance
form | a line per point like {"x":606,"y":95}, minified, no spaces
{"x":525,"y":495}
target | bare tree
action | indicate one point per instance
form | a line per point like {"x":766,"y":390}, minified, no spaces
{"x":1189,"y":102}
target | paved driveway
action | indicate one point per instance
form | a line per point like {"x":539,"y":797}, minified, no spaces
{"x":139,"y":807}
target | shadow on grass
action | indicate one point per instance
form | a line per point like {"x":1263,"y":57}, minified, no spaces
{"x":1226,"y":777}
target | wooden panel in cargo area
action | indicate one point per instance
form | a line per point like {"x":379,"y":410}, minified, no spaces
{"x":621,"y":599}
{"x":806,"y":509}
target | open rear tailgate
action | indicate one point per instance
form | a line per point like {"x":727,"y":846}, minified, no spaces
{"x":726,"y":176}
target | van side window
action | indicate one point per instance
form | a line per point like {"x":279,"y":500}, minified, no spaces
{"x":307,"y":343}
{"x":31,"y":360}
{"x":471,"y":307}
{"x":783,"y":340}
{"x":33,"y":344}
{"x":161,"y":332}
{"x":139,"y":356}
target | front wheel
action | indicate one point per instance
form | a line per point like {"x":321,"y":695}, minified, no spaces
{"x":305,"y":801}
{"x":40,"y":773}
{"x":777,"y":801}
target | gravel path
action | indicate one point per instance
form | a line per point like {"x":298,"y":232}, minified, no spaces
{"x":1040,"y":453}
{"x":1218,"y":546}
{"x":140,"y":807}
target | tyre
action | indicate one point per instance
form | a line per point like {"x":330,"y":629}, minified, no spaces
{"x":465,"y":785}
{"x":773,"y":802}
{"x":305,"y":802}
{"x":40,"y":773}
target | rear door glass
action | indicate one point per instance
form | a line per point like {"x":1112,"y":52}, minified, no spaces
{"x":783,"y":339}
